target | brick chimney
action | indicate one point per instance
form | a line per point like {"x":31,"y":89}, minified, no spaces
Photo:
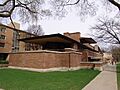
{"x":75,"y":35}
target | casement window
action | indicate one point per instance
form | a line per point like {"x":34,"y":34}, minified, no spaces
{"x":15,"y":44}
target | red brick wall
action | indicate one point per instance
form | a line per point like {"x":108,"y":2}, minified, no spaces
{"x":89,"y":64}
{"x":92,"y":65}
{"x":84,"y":56}
{"x":44,"y":60}
{"x":75,"y":59}
{"x":8,"y":41}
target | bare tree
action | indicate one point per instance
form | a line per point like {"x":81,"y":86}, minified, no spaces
{"x":116,"y":53}
{"x":27,"y":9}
{"x":74,"y":2}
{"x":107,"y":30}
{"x":35,"y":29}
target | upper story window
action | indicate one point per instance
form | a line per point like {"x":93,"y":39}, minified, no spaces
{"x":2,"y":37}
{"x":2,"y":29}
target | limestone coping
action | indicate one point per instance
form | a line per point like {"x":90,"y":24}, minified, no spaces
{"x":92,"y":62}
{"x":45,"y":51}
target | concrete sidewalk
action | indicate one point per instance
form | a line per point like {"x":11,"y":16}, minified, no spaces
{"x":106,"y":80}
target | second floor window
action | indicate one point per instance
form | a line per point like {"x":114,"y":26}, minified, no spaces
{"x":2,"y":30}
{"x":2,"y":37}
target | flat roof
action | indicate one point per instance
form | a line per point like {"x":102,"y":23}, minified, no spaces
{"x":86,"y":47}
{"x":53,"y":38}
{"x":16,"y":29}
{"x":49,"y":38}
{"x":87,"y":40}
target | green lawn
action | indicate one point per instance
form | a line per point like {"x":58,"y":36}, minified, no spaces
{"x":118,"y":76}
{"x":12,"y":79}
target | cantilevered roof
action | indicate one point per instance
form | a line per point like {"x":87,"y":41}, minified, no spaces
{"x":87,"y":40}
{"x":53,"y":38}
{"x":49,"y":38}
{"x":86,"y":47}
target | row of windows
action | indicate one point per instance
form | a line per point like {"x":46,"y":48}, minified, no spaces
{"x":30,"y":46}
{"x":2,"y":37}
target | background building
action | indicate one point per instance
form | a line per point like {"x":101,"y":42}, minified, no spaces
{"x":9,"y":39}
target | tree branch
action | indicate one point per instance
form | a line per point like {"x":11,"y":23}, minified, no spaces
{"x":5,"y":2}
{"x":73,"y":3}
{"x":12,"y":21}
{"x":5,"y":13}
{"x":106,"y":31}
{"x":115,"y":3}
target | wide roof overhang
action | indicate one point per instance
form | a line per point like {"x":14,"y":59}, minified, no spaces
{"x":87,"y":40}
{"x":49,"y":38}
{"x":55,"y":38}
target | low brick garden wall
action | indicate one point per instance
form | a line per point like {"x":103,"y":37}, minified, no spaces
{"x":45,"y":59}
{"x":92,"y":65}
{"x":4,"y":65}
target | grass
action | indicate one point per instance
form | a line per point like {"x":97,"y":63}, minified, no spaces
{"x":118,"y":76}
{"x":13,"y":79}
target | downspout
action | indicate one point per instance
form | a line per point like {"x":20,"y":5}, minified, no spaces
{"x":69,"y":60}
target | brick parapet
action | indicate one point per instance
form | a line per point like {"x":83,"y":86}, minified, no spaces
{"x":44,"y":59}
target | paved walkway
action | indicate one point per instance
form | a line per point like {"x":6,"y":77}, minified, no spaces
{"x":106,"y":80}
{"x":109,"y":67}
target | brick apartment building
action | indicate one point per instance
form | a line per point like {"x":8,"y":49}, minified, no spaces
{"x":9,"y":39}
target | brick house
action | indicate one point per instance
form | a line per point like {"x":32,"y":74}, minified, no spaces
{"x":57,"y":51}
